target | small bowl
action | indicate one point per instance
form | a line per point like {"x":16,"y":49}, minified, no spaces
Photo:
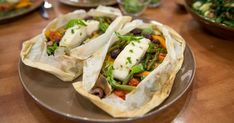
{"x":218,"y":29}
{"x":140,"y":6}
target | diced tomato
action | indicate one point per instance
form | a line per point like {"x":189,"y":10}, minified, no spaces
{"x":120,"y":93}
{"x":133,"y":82}
{"x":54,"y":36}
{"x":161,"y":56}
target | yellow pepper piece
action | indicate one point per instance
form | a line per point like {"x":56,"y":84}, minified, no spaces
{"x":110,"y":59}
{"x":161,"y":40}
{"x":143,"y":74}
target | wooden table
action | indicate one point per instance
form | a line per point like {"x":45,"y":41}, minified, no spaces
{"x":210,"y":100}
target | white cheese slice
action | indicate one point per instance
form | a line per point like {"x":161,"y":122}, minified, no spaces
{"x":73,"y":36}
{"x":129,"y":56}
{"x":92,"y":26}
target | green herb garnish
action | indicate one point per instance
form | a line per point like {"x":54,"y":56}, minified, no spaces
{"x":72,"y":31}
{"x":129,"y":60}
{"x":131,"y":51}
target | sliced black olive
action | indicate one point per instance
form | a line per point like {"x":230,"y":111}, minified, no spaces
{"x":88,"y":18}
{"x":115,"y":53}
{"x":136,"y":31}
{"x":98,"y":92}
{"x":156,"y":41}
{"x":148,"y":36}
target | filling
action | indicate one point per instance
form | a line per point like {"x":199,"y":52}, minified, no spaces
{"x":76,"y":32}
{"x":129,"y":60}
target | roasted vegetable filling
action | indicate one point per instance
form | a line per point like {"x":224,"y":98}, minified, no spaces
{"x":220,"y":11}
{"x":132,"y":58}
{"x":76,"y":32}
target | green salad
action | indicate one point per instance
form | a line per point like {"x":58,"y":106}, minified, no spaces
{"x":220,"y":11}
{"x":133,"y":6}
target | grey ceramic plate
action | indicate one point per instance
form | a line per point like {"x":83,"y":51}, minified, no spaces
{"x":60,"y":97}
{"x":88,"y":3}
{"x":36,"y":4}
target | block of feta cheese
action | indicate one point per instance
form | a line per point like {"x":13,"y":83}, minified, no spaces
{"x":75,"y":35}
{"x":92,"y":26}
{"x":128,"y":57}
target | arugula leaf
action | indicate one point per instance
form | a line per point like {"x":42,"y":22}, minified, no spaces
{"x":137,"y":69}
{"x":128,"y":38}
{"x":74,"y":22}
{"x":104,"y":23}
{"x":103,"y":26}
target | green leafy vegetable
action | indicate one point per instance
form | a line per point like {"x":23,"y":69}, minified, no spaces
{"x":51,"y":49}
{"x":74,"y":22}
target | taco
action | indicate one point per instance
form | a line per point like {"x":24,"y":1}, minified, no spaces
{"x":134,"y":72}
{"x":54,"y":51}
